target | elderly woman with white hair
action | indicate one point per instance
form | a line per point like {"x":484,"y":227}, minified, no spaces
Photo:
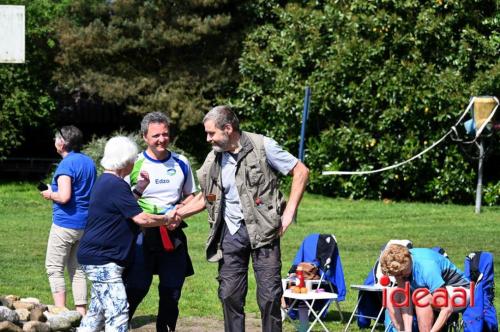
{"x":114,"y":221}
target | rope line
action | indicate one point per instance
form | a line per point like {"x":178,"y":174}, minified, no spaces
{"x":408,"y":160}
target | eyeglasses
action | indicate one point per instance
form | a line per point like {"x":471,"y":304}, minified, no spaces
{"x":60,"y":133}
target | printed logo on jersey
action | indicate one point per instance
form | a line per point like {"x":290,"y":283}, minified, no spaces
{"x":160,"y":181}
{"x":171,"y":171}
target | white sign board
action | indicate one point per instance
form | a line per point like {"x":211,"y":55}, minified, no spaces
{"x":12,"y":44}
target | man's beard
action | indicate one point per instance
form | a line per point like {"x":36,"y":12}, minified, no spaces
{"x":223,"y":145}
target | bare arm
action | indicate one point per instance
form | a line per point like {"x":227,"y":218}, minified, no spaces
{"x":300,"y":175}
{"x":153,"y":220}
{"x":177,"y":218}
{"x":406,"y":311}
{"x":443,"y":316}
{"x":186,"y":200}
{"x":63,"y":194}
{"x":401,"y":317}
{"x":141,"y":184}
{"x":195,"y":205}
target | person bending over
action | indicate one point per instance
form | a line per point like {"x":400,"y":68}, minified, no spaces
{"x":423,"y":268}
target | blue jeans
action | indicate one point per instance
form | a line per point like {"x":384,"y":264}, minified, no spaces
{"x":108,"y":307}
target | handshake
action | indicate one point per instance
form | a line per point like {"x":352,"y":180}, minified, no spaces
{"x":173,"y":218}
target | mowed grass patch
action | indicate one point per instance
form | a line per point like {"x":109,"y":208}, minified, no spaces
{"x":361,"y":228}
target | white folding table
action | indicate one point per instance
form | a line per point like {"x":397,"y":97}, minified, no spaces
{"x":309,"y":298}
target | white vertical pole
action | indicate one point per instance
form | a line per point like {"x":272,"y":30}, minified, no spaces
{"x":479,"y":188}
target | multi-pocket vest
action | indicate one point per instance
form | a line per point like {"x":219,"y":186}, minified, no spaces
{"x":257,"y":184}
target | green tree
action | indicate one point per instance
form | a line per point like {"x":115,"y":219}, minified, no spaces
{"x":25,"y":89}
{"x":173,"y":56}
{"x":389,"y":77}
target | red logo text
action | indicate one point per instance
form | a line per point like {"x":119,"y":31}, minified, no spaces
{"x":441,"y":298}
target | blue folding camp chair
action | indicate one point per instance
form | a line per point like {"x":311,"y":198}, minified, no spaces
{"x":322,"y":251}
{"x":482,"y":316}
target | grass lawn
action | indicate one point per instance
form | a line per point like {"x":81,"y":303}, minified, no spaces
{"x":361,"y":227}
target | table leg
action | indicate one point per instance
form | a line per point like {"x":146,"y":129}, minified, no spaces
{"x":378,"y":317}
{"x":354,"y":312}
{"x":317,"y":316}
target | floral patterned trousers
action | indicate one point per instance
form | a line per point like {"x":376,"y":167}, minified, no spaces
{"x":108,"y":307}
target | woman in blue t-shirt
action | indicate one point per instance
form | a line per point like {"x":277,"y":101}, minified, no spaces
{"x":112,"y":226}
{"x":434,"y":283}
{"x":70,"y":193}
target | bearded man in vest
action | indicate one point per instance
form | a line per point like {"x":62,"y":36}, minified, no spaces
{"x":247,"y":214}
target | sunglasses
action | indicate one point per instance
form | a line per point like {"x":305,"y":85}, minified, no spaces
{"x":60,"y":134}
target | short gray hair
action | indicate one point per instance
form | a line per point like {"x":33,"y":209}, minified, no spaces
{"x":153,"y":117}
{"x":222,"y":115}
{"x":118,"y":153}
{"x":72,"y":137}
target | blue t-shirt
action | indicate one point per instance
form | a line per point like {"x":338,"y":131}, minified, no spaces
{"x":81,"y":169}
{"x":110,"y":233}
{"x":432,"y":270}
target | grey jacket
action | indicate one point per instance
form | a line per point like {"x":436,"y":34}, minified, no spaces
{"x":257,"y":185}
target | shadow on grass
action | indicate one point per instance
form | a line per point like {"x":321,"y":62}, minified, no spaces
{"x":140,"y":321}
{"x":334,"y":316}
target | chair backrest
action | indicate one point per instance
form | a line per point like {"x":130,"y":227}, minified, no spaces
{"x":322,"y":250}
{"x":482,"y":316}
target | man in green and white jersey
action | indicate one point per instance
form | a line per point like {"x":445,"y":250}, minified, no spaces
{"x":160,"y":250}
{"x":170,"y":180}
